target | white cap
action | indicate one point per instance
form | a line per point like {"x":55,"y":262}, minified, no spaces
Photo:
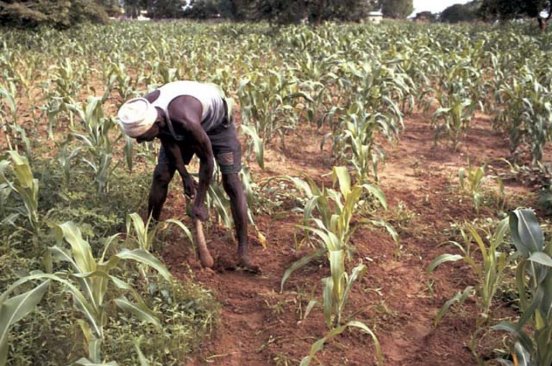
{"x":137,"y":116}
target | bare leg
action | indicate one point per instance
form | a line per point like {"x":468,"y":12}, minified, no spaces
{"x":162,"y":176}
{"x":233,"y":187}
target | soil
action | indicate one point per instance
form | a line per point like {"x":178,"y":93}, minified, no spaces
{"x":396,"y":297}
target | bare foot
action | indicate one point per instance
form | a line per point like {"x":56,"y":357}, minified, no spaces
{"x":245,"y":264}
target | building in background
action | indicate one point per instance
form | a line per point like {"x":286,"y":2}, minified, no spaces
{"x":375,"y":17}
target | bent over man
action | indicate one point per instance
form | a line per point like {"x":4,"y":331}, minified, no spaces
{"x":190,"y":118}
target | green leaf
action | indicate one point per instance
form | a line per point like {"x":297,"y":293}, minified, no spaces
{"x":299,"y":264}
{"x":80,"y":249}
{"x":460,"y":297}
{"x":144,"y":257}
{"x":319,"y":344}
{"x":258,"y":144}
{"x":22,"y":169}
{"x":442,"y":259}
{"x":541,"y":258}
{"x":328,"y":303}
{"x":143,"y":360}
{"x":364,"y":328}
{"x":140,"y":311}
{"x":526,"y":232}
{"x":388,"y":227}
{"x":13,"y":310}
{"x":355,"y":274}
{"x":516,"y":332}
{"x":86,"y":362}
{"x":342,"y":176}
{"x":183,"y":227}
{"x":309,"y":308}
{"x":376,"y":192}
{"x":337,"y":269}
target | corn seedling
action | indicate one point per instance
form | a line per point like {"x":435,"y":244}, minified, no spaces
{"x":471,"y":180}
{"x":533,"y":331}
{"x":16,"y":135}
{"x":318,"y":345}
{"x":14,"y":309}
{"x":144,"y":234}
{"x":97,"y":141}
{"x":91,"y":282}
{"x":489,"y":272}
{"x":25,"y":185}
{"x":528,"y":110}
{"x":335,"y":209}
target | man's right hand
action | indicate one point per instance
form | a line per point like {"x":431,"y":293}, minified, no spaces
{"x":190,"y":186}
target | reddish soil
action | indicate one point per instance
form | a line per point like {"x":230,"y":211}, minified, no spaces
{"x":396,"y":297}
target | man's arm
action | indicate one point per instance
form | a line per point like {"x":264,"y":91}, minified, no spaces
{"x":174,"y":150}
{"x":185,"y":111}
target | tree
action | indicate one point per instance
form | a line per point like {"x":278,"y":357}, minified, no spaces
{"x":55,"y":13}
{"x":315,"y":11}
{"x":511,"y":9}
{"x":461,"y":13}
{"x":133,"y":7}
{"x":203,"y":9}
{"x":163,"y":9}
{"x":397,"y":9}
{"x":425,"y":16}
{"x":112,"y":7}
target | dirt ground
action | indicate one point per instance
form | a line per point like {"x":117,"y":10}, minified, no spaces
{"x":396,"y":297}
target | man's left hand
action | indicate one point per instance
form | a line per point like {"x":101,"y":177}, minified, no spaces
{"x":200,"y":212}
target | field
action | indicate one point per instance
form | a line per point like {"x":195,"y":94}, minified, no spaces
{"x":388,"y":170}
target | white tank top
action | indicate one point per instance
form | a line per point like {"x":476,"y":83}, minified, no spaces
{"x":209,"y":95}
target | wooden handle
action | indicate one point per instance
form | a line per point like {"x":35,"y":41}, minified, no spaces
{"x":204,"y":255}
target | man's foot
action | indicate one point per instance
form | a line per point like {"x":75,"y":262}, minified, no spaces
{"x":245,"y":264}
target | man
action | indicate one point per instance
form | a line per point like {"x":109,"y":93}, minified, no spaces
{"x":190,"y":118}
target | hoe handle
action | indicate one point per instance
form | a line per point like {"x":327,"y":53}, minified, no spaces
{"x":204,"y":255}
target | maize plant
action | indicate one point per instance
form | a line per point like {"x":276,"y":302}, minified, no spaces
{"x":457,"y":102}
{"x":489,"y":272}
{"x":266,"y":103}
{"x":335,"y":210}
{"x":373,"y":111}
{"x":93,"y":285}
{"x":14,"y":309}
{"x":16,"y":135}
{"x":144,"y":236}
{"x":338,"y":285}
{"x":533,"y":331}
{"x":471,"y":181}
{"x":68,"y":81}
{"x":336,"y":292}
{"x":25,"y":185}
{"x":527,"y":112}
{"x":118,"y":76}
{"x":98,"y":143}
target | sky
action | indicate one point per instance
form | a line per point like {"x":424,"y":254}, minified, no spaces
{"x":435,"y":6}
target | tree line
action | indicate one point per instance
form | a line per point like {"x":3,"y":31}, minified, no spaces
{"x":65,"y":13}
{"x":496,"y":10}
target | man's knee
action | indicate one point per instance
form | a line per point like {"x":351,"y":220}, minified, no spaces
{"x":232,"y":184}
{"x":162,"y":175}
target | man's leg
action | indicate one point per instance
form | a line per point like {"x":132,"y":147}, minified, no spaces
{"x":234,"y":189}
{"x":227,"y":151}
{"x":162,"y":175}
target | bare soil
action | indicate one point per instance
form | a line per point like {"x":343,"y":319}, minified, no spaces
{"x":396,"y":297}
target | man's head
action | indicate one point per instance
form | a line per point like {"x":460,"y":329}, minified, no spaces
{"x":140,"y":119}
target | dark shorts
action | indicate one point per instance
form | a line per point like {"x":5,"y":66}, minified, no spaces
{"x":226,"y":149}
